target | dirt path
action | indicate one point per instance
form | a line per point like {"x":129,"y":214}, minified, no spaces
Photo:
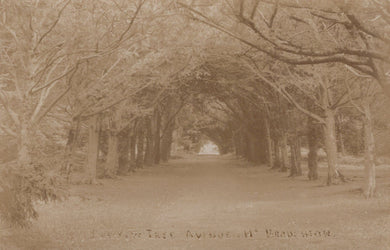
{"x":211,"y":202}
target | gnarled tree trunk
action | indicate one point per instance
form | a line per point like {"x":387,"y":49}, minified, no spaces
{"x":329,"y":131}
{"x":331,"y":146}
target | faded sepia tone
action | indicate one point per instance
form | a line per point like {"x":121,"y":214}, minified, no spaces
{"x":194,"y":124}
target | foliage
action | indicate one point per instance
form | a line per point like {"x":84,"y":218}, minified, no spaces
{"x":21,"y":187}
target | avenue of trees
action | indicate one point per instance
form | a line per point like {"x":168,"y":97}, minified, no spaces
{"x":105,"y":87}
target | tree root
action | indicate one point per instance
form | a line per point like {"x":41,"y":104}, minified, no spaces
{"x":337,"y":178}
{"x":341,"y":176}
{"x":294,"y":175}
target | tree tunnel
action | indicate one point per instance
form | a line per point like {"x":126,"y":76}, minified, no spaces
{"x":104,"y":88}
{"x":216,"y":100}
{"x":128,"y":104}
{"x":219,"y":98}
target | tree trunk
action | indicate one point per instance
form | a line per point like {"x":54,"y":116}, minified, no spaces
{"x":251,"y":147}
{"x":24,"y":156}
{"x":112,"y":162}
{"x":329,"y":132}
{"x":277,"y":153}
{"x":331,"y":146}
{"x":123,"y":151}
{"x":284,"y":153}
{"x":132,"y":152}
{"x":312,"y":139}
{"x":299,"y":156}
{"x":244,"y":144}
{"x":157,"y":132}
{"x":149,"y":150}
{"x":140,"y":145}
{"x":341,"y":145}
{"x":283,"y":123}
{"x":166,"y":141}
{"x":269,"y":142}
{"x":237,"y":145}
{"x":293,"y":168}
{"x":295,"y":154}
{"x":93,"y":148}
{"x":369,"y":146}
{"x":71,"y":148}
{"x":133,"y":146}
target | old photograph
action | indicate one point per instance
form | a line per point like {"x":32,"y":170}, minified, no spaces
{"x":194,"y":124}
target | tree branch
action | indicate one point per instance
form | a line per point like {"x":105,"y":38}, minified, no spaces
{"x":57,"y":99}
{"x":12,"y":115}
{"x":118,"y":42}
{"x":51,"y":105}
{"x":52,"y":26}
{"x":304,"y":57}
{"x":285,"y":94}
{"x":8,"y":131}
{"x":361,"y":27}
{"x":55,"y":80}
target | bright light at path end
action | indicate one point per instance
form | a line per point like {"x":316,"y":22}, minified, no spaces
{"x":209,"y":148}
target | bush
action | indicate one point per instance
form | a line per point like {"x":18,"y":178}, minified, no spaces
{"x":21,"y":187}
